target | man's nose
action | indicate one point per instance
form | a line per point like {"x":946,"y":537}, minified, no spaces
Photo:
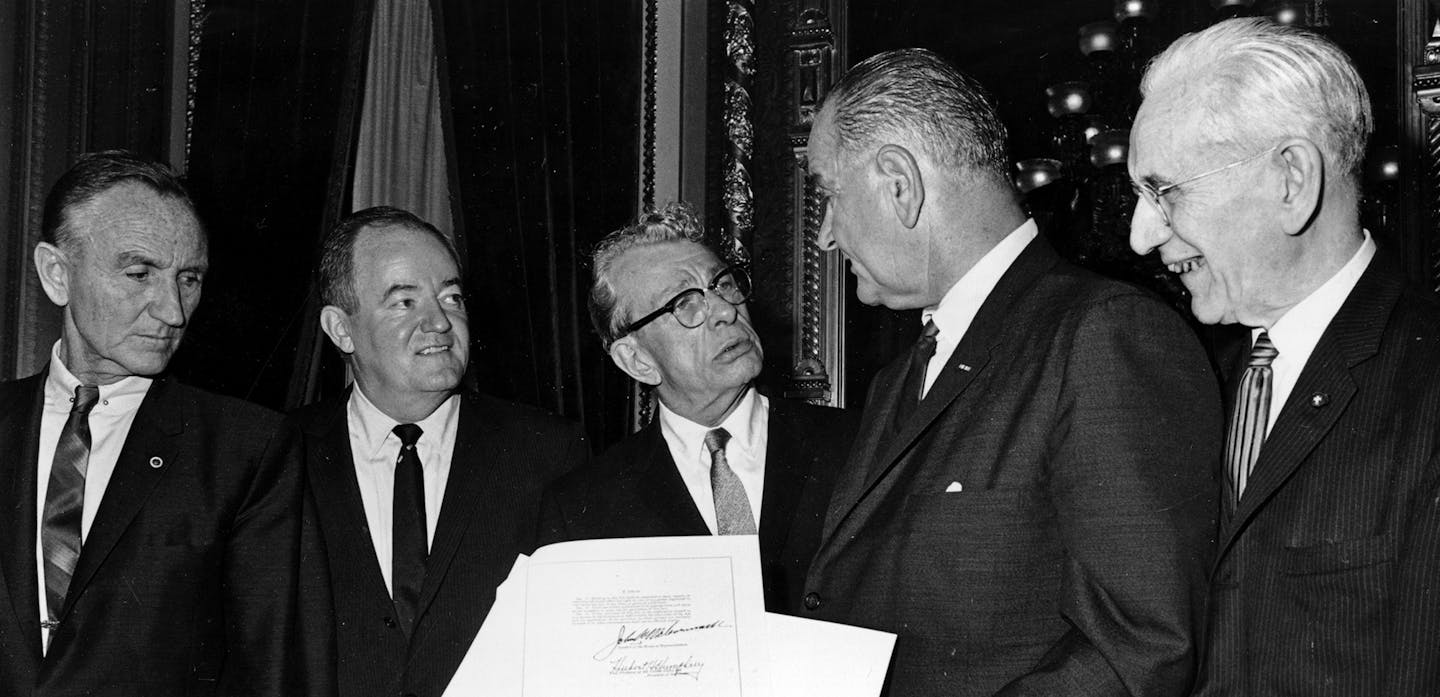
{"x":1147,"y":229}
{"x":825,"y":240}
{"x":721,"y":311}
{"x":436,"y":320}
{"x":167,"y":305}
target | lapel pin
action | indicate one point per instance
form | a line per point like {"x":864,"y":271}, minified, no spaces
{"x":1319,"y":399}
{"x":156,"y":462}
{"x":964,"y":367}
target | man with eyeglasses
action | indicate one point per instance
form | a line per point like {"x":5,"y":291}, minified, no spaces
{"x":720,"y":458}
{"x":1029,"y":505}
{"x":1246,"y":153}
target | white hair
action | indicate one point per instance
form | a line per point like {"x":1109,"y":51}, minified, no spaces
{"x":1261,"y":82}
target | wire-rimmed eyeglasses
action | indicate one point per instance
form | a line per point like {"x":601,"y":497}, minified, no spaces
{"x":1155,"y":195}
{"x":691,"y":307}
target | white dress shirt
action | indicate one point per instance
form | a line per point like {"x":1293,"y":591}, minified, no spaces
{"x":375,"y":449}
{"x":1297,"y":332}
{"x":110,"y":422}
{"x":958,"y":308}
{"x":748,"y":426}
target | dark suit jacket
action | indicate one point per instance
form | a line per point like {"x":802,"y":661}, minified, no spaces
{"x":504,"y":454}
{"x":1043,"y":523}
{"x":634,"y":490}
{"x":1308,"y":583}
{"x":186,"y":583}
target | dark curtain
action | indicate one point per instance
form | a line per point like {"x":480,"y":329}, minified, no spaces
{"x":76,"y":76}
{"x":268,"y":107}
{"x":544,"y":101}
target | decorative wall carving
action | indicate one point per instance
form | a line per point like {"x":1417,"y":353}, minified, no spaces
{"x":819,"y":282}
{"x":1427,"y":94}
{"x":738,"y":198}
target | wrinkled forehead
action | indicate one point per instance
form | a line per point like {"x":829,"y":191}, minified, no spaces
{"x":1170,"y":133}
{"x":131,"y":216}
{"x":659,"y":270}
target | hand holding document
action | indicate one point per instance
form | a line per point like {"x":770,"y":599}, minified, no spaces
{"x":658,"y":616}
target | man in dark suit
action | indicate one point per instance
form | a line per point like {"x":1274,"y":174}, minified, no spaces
{"x":1329,"y":500}
{"x":149,"y":534}
{"x":420,"y":495}
{"x":673,"y":316}
{"x":1030,"y":504}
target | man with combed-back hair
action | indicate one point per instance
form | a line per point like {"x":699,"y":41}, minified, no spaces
{"x":672,"y":315}
{"x":420,"y":493}
{"x":1030,"y":503}
{"x":149,"y":530}
{"x":1246,"y":151}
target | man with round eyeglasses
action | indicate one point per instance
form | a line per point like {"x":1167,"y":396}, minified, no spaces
{"x":719,"y":458}
{"x":1246,"y":153}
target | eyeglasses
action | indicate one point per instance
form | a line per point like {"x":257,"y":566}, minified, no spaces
{"x":692,"y":307}
{"x":1155,"y":196}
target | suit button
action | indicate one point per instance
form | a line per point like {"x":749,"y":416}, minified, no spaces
{"x":390,"y":622}
{"x":812,"y":601}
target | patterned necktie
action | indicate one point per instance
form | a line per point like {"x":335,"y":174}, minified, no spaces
{"x":1251,"y":416}
{"x":65,"y":501}
{"x":910,"y":392}
{"x":732,"y":505}
{"x":408,"y":544}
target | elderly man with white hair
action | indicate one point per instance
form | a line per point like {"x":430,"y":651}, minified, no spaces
{"x":1246,"y":153}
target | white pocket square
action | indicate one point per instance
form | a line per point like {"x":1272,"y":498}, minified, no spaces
{"x":954,"y":487}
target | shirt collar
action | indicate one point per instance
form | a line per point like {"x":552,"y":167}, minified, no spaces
{"x":743,"y":424}
{"x":960,"y":304}
{"x":60,"y":382}
{"x":375,"y":425}
{"x":1298,"y":331}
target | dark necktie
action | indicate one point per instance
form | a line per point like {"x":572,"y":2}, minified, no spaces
{"x":408,"y":545}
{"x":920,"y":357}
{"x":65,"y":501}
{"x":1251,"y":416}
{"x":732,"y":504}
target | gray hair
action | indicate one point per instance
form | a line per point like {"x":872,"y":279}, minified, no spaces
{"x":94,"y":174}
{"x":914,"y":92}
{"x":1263,"y":82}
{"x":676,"y":222}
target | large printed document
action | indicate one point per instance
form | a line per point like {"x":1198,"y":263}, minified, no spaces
{"x":665,"y":616}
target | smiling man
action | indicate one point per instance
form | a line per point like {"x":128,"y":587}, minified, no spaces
{"x":1246,"y":153}
{"x":148,"y":530}
{"x":1030,"y":504}
{"x":720,"y":458}
{"x":420,"y":495}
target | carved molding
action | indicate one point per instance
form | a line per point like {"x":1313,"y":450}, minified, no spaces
{"x":817,"y":365}
{"x":1426,"y":88}
{"x":737,"y":198}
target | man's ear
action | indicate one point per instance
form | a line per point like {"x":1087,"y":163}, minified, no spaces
{"x":336,"y":323}
{"x":904,"y":187}
{"x":635,"y":361}
{"x":53,"y":267}
{"x":1304,"y":184}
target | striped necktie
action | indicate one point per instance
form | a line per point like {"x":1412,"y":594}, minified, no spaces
{"x":1251,"y":417}
{"x":732,"y":504}
{"x":65,"y":502}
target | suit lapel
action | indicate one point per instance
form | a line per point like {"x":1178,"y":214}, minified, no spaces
{"x":21,"y":405}
{"x":472,"y":486}
{"x":786,"y":464}
{"x":331,"y":467}
{"x":663,"y":490}
{"x":152,"y":448}
{"x":1352,"y":337}
{"x":969,"y":360}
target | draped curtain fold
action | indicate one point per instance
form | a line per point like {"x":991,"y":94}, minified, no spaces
{"x":545,"y":103}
